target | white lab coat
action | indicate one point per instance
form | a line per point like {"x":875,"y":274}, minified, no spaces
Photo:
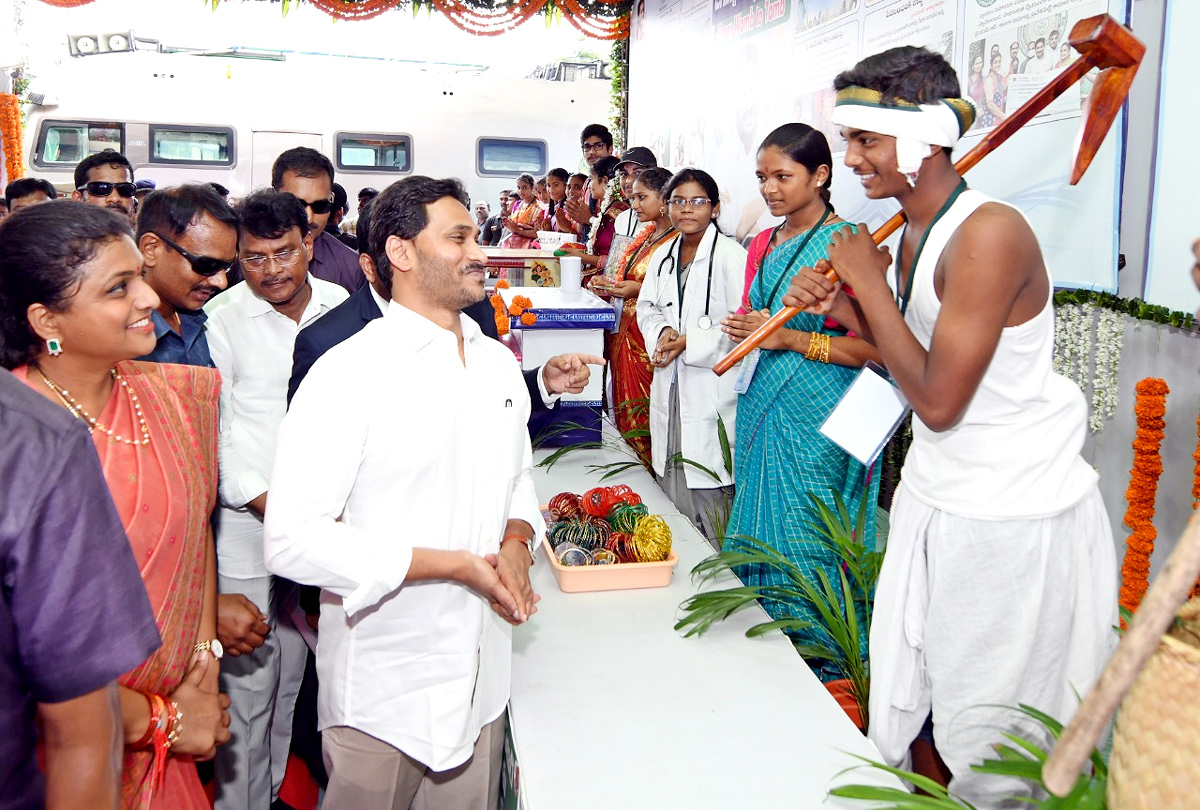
{"x":702,"y":394}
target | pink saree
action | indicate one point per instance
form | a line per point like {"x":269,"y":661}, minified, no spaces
{"x":164,"y":493}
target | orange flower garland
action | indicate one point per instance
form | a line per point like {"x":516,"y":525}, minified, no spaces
{"x":1196,"y":493}
{"x":1150,"y":409}
{"x":520,"y":307}
{"x":10,"y":133}
{"x":500,"y":314}
{"x":500,"y":19}
{"x":1196,"y":471}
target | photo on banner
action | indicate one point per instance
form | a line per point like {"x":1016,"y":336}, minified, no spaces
{"x":774,"y":61}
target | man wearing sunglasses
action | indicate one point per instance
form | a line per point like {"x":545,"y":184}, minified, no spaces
{"x":252,"y":331}
{"x":106,"y":179}
{"x":188,"y":236}
{"x":308,"y":175}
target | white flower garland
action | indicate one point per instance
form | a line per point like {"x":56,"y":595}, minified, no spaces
{"x":1090,"y":359}
{"x":613,"y":194}
{"x":1110,"y":331}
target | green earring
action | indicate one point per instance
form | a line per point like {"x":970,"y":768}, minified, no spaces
{"x":54,"y":347}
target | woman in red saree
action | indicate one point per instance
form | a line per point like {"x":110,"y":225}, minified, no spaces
{"x":525,"y":216}
{"x":73,"y":310}
{"x":629,"y":363}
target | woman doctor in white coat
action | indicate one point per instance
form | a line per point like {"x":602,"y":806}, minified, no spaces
{"x":691,"y":283}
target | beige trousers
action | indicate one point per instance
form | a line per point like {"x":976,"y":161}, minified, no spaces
{"x":368,"y":774}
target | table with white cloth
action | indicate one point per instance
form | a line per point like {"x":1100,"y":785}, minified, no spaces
{"x":611,"y":707}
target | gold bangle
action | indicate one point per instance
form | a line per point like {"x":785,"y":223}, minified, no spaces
{"x":810,"y":353}
{"x":818,"y":347}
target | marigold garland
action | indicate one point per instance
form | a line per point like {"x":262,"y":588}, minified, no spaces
{"x":1150,"y":410}
{"x":600,"y":19}
{"x":10,"y":136}
{"x":1196,"y":491}
{"x":1196,"y":470}
{"x":519,"y":308}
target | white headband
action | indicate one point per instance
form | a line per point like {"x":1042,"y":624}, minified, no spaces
{"x":915,"y":126}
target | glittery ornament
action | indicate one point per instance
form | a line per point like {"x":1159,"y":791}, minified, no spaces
{"x":564,"y":506}
{"x":651,"y":540}
{"x":624,"y":517}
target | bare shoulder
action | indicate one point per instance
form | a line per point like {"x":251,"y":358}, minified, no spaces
{"x":996,"y":238}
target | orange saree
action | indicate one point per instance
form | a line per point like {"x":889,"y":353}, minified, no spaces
{"x":164,"y":493}
{"x":628,"y":359}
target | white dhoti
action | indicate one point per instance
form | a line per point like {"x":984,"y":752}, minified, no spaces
{"x":972,"y":616}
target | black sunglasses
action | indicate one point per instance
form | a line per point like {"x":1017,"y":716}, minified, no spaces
{"x":202,"y":265}
{"x":318,"y":206}
{"x":98,"y":188}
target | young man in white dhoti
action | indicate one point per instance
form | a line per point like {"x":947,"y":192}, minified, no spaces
{"x":414,"y":511}
{"x":999,"y":583}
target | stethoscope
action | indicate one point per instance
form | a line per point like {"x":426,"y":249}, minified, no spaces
{"x":704,"y":321}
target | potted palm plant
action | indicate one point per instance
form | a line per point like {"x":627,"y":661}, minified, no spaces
{"x":842,"y":603}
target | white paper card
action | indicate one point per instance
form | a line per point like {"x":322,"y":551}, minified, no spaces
{"x":867,"y":415}
{"x":746,"y":375}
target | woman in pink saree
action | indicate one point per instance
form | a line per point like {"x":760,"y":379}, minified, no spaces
{"x":73,"y":310}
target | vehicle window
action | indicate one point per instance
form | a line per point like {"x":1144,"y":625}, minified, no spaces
{"x":509,"y":156}
{"x":204,"y":146}
{"x":65,"y":143}
{"x":358,"y":151}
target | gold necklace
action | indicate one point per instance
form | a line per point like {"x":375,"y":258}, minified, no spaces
{"x":92,"y":424}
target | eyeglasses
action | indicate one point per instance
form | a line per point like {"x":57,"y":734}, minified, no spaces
{"x":593,"y":147}
{"x":318,"y":206}
{"x":688,"y":202}
{"x":284,"y":258}
{"x":201,"y":265}
{"x":98,"y":188}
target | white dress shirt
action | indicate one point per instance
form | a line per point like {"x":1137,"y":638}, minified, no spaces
{"x":251,"y":344}
{"x":548,"y":396}
{"x":425,"y":452}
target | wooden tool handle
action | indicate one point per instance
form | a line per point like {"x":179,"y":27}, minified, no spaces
{"x":1153,"y":617}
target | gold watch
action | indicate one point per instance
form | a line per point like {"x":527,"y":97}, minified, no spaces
{"x":213,"y":646}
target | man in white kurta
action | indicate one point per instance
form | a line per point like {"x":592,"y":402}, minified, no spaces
{"x":414,"y":511}
{"x":251,"y":331}
{"x":999,"y":584}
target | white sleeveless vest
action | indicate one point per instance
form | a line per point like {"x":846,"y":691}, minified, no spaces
{"x":1015,"y":452}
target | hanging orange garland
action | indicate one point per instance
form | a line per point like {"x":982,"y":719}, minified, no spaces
{"x":10,"y":136}
{"x":492,"y":22}
{"x":1150,"y":410}
{"x":1196,"y":470}
{"x":360,"y":10}
{"x":1196,"y":492}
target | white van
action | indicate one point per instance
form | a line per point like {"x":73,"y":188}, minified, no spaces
{"x":186,"y":117}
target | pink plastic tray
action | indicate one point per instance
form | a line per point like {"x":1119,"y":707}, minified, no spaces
{"x":620,"y":577}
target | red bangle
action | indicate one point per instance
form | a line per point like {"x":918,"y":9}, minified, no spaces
{"x":156,"y":713}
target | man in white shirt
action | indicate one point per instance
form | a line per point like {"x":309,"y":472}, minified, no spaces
{"x":252,"y":329}
{"x":414,"y":511}
{"x":1041,"y":61}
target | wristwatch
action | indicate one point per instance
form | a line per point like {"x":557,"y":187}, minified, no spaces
{"x":213,"y":646}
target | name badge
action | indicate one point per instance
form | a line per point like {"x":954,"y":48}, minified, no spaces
{"x":746,"y":374}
